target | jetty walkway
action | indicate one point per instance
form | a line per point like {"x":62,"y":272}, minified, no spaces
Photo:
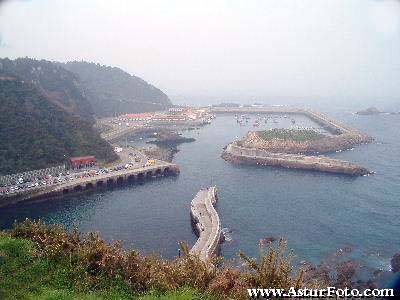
{"x":206,"y":223}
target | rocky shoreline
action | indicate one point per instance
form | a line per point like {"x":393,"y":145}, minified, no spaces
{"x":160,"y":153}
{"x":170,"y":139}
{"x":166,"y":144}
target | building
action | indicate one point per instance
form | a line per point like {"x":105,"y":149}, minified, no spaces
{"x":177,"y":109}
{"x":137,"y":117}
{"x":169,"y":118}
{"x":82,"y":162}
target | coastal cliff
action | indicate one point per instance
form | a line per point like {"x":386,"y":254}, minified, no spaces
{"x":111,"y":90}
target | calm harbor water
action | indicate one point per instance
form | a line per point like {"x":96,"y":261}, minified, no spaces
{"x":317,"y":213}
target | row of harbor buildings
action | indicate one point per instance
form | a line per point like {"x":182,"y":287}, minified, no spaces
{"x":175,"y":114}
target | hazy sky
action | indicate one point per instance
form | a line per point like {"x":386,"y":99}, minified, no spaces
{"x":247,"y":48}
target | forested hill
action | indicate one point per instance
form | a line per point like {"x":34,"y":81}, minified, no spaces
{"x":36,"y":132}
{"x":112,"y":91}
{"x":47,"y":112}
{"x":59,"y":86}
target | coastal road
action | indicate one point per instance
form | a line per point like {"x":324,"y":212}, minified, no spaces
{"x":130,"y":155}
{"x":127,"y":156}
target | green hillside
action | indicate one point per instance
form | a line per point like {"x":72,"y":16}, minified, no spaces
{"x":37,"y":133}
{"x":57,"y":85}
{"x":113,"y":91}
{"x":26,"y":275}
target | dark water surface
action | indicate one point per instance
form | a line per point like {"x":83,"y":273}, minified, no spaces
{"x":317,"y":213}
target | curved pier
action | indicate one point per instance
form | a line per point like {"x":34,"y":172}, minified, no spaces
{"x":206,"y":223}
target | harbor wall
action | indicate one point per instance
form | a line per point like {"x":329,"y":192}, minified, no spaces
{"x":242,"y":155}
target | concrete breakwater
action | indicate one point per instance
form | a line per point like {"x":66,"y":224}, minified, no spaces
{"x":236,"y":154}
{"x":161,"y":168}
{"x":253,"y":150}
{"x":206,"y":223}
{"x":343,"y":136}
{"x":329,"y":124}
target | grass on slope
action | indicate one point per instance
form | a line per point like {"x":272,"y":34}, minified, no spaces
{"x":297,"y":135}
{"x":25,"y":275}
{"x":44,"y":261}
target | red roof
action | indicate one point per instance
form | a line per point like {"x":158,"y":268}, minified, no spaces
{"x":79,"y":158}
{"x":76,"y":161}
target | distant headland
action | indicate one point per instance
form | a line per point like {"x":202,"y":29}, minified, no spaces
{"x":371,"y":111}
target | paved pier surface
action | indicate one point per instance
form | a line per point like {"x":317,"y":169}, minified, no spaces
{"x":206,"y":223}
{"x":237,"y":154}
{"x":86,"y":183}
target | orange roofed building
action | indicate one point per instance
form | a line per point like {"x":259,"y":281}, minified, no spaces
{"x":82,"y":162}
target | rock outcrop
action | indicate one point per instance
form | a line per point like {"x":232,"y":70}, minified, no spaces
{"x":395,"y":262}
{"x":369,"y":111}
{"x":323,"y":145}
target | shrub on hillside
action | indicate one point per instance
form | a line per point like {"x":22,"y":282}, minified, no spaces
{"x":95,"y":260}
